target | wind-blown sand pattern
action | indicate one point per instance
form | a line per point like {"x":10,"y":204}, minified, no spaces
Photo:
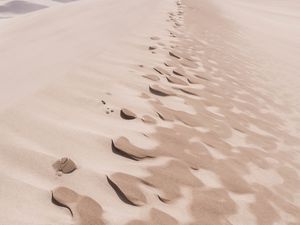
{"x":150,"y":112}
{"x":83,"y":209}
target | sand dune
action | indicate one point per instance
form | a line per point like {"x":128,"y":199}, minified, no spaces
{"x":150,"y":112}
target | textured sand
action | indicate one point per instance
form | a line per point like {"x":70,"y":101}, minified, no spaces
{"x":149,"y":112}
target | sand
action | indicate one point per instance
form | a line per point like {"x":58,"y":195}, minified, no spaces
{"x":150,"y":112}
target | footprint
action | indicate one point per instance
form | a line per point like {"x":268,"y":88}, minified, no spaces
{"x":64,"y":165}
{"x":202,"y":77}
{"x":152,"y":77}
{"x":148,"y":119}
{"x":151,"y":48}
{"x":189,"y":119}
{"x":177,"y":24}
{"x":144,"y":95}
{"x":160,"y":217}
{"x":192,"y":91}
{"x":84,"y":210}
{"x":157,"y":217}
{"x":170,"y":64}
{"x":176,"y":80}
{"x":154,"y":38}
{"x":157,"y":90}
{"x":127,"y":188}
{"x":168,"y":179}
{"x":188,"y":63}
{"x":175,"y":55}
{"x":194,"y":80}
{"x":172,"y":34}
{"x":126,"y":114}
{"x":179,"y":72}
{"x":161,"y":70}
{"x":123,"y":147}
{"x":163,"y":199}
{"x":164,"y":113}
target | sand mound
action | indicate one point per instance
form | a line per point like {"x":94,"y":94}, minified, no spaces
{"x":157,"y":90}
{"x":84,"y":210}
{"x":123,"y":147}
{"x":126,"y":187}
{"x":65,"y":165}
{"x":176,"y":80}
{"x":148,"y":119}
{"x":127,"y":114}
{"x":208,"y":131}
{"x":152,"y":77}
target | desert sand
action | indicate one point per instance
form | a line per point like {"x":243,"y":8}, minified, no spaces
{"x":150,"y":112}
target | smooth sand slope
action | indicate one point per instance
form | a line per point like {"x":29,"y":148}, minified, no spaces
{"x":150,"y":112}
{"x":13,"y":8}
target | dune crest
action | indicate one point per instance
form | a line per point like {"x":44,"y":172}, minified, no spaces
{"x":167,"y":112}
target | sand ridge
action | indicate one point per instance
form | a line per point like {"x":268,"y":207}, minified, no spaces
{"x":190,"y":135}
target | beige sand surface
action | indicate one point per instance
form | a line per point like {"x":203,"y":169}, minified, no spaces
{"x":150,"y":112}
{"x":14,"y":8}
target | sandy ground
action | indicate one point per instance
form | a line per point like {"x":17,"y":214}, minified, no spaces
{"x":149,"y":112}
{"x":13,"y":8}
